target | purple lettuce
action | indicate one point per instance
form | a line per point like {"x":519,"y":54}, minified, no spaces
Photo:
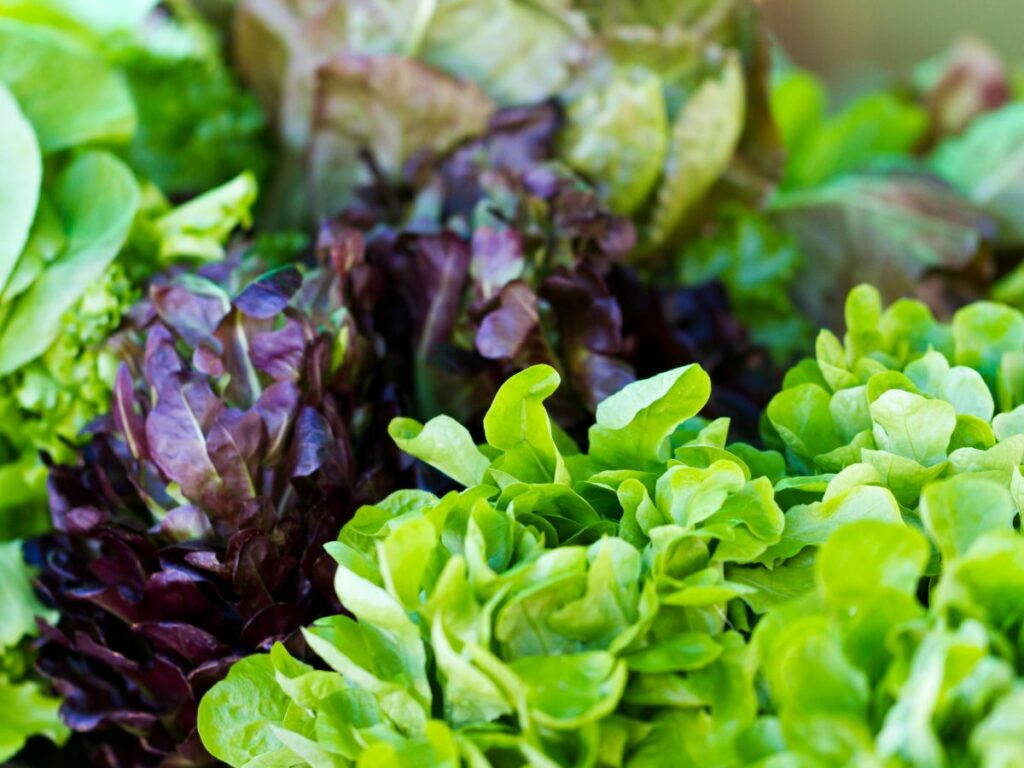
{"x":495,"y":257}
{"x":244,"y":431}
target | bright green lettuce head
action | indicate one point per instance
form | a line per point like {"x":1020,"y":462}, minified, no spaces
{"x":564,"y":609}
{"x":913,"y":398}
{"x":875,"y":667}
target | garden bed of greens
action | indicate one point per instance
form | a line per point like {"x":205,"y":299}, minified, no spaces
{"x":503,"y":383}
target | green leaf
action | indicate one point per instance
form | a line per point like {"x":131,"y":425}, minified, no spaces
{"x":236,"y":717}
{"x":569,"y":691}
{"x":872,"y":127}
{"x":27,"y":712}
{"x":983,"y":332}
{"x":444,"y":444}
{"x":199,"y":228}
{"x":812,"y":524}
{"x":802,"y":417}
{"x":97,"y":15}
{"x":19,"y":184}
{"x":962,"y":386}
{"x":67,"y":92}
{"x":517,"y":424}
{"x":518,"y":52}
{"x":633,"y":426}
{"x":870,"y":555}
{"x":18,"y":603}
{"x":97,"y":197}
{"x":703,"y":140}
{"x":618,"y":136}
{"x":959,"y":510}
{"x":913,"y":427}
{"x":986,"y":163}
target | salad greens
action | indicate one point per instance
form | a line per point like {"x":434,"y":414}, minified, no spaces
{"x":83,"y":227}
{"x":564,"y":608}
{"x":479,"y":450}
{"x":81,"y":232}
{"x":243,"y":432}
{"x":28,"y":709}
{"x":911,"y":397}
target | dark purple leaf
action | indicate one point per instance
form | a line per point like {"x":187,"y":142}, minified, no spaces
{"x":441,"y":266}
{"x":183,"y":640}
{"x":235,"y":334}
{"x":311,"y":444}
{"x":130,"y":422}
{"x":278,"y":354}
{"x":277,"y":406}
{"x":234,"y":447}
{"x":193,"y":309}
{"x":161,"y":360}
{"x":176,"y":432}
{"x":505,"y":330}
{"x":268,"y":296}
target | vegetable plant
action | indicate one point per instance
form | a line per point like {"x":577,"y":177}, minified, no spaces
{"x":190,"y":528}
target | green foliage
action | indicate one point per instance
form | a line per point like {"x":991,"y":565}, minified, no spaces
{"x":563,"y":609}
{"x":28,"y":711}
{"x":914,"y":398}
{"x":757,"y":264}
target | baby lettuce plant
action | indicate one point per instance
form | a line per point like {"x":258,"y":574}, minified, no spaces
{"x":246,"y":426}
{"x":564,"y":609}
{"x":910,"y":397}
{"x":885,"y":661}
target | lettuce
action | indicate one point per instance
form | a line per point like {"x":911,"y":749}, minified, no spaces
{"x":564,"y":608}
{"x":29,"y":710}
{"x":686,"y":84}
{"x":246,"y":424}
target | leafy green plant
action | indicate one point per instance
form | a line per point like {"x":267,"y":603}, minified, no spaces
{"x":565,"y":608}
{"x":864,"y":670}
{"x":908,"y":398}
{"x":28,"y":709}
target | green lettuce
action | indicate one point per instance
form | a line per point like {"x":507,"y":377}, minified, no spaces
{"x":860,"y":671}
{"x":564,"y":608}
{"x":28,"y":710}
{"x":910,"y":397}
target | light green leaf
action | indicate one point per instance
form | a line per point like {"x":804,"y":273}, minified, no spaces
{"x":517,"y":424}
{"x":199,"y":228}
{"x":802,"y":417}
{"x":633,"y":426}
{"x":20,"y":180}
{"x":236,"y":716}
{"x":18,"y":603}
{"x":959,"y":510}
{"x":28,"y":712}
{"x":444,"y":444}
{"x":569,"y":691}
{"x":67,"y":92}
{"x":618,"y":136}
{"x":97,"y":197}
{"x":982,"y":332}
{"x":704,"y":138}
{"x":870,"y":555}
{"x":912,"y":426}
{"x":518,"y":52}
